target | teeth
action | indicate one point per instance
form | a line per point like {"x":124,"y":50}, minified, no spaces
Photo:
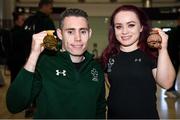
{"x":124,"y":38}
{"x":77,"y":46}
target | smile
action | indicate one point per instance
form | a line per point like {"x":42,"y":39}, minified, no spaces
{"x":77,"y":46}
{"x":125,"y":37}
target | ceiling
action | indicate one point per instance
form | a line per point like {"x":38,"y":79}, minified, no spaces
{"x":101,"y":1}
{"x":103,"y":7}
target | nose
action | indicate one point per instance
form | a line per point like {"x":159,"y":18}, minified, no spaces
{"x":124,"y":30}
{"x":77,"y":36}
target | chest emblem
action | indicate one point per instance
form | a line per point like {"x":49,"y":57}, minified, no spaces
{"x":110,"y":64}
{"x":137,"y":60}
{"x":94,"y":73}
{"x":63,"y":72}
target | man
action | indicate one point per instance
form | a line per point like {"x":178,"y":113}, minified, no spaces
{"x":38,"y":22}
{"x":16,"y":54}
{"x":44,"y":21}
{"x":68,"y":84}
{"x":41,"y":19}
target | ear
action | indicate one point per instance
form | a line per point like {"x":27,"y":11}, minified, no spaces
{"x":59,"y":33}
{"x":90,"y":33}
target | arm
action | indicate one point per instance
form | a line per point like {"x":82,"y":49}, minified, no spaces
{"x":101,"y":102}
{"x":164,"y":73}
{"x":22,"y":91}
{"x":107,"y":85}
{"x":27,"y":83}
{"x":36,"y":49}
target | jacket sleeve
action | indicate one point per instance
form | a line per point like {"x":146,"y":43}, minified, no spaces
{"x":101,"y":102}
{"x":22,"y":91}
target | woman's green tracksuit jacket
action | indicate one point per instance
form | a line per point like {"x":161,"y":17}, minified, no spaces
{"x":59,"y":89}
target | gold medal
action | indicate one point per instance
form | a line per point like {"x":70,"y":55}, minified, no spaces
{"x":50,"y":41}
{"x":154,"y":40}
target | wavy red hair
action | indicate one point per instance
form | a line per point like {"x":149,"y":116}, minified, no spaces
{"x":113,"y":46}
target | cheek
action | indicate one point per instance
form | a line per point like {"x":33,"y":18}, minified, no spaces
{"x":67,"y":44}
{"x":137,"y":33}
{"x":67,"y":39}
{"x":117,"y":35}
{"x":84,"y":39}
{"x":138,"y":30}
{"x":85,"y":44}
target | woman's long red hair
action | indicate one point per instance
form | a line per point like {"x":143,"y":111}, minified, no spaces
{"x":114,"y":46}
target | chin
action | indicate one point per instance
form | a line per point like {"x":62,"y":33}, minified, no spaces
{"x":77,"y":53}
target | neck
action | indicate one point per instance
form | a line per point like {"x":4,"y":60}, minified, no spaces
{"x":129,"y":48}
{"x":77,"y":59}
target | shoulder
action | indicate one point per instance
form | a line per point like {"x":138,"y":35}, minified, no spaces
{"x":46,"y":56}
{"x":152,"y":62}
{"x":30,"y":18}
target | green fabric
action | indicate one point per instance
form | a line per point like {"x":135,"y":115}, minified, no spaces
{"x":72,"y":94}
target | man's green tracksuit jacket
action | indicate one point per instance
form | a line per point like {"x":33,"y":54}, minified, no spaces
{"x":59,"y":89}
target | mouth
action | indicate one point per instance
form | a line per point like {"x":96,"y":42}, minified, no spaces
{"x":125,"y":37}
{"x":77,"y":46}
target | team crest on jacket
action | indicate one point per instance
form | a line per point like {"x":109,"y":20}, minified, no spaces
{"x":110,"y":64}
{"x":94,"y":73}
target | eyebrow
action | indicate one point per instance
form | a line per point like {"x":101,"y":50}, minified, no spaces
{"x":74,"y":29}
{"x":127,"y":22}
{"x":131,"y":22}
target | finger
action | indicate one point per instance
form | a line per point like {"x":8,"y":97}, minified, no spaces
{"x":163,"y":35}
{"x":156,"y":29}
{"x":157,"y":45}
{"x":153,"y":32}
{"x":152,"y":38}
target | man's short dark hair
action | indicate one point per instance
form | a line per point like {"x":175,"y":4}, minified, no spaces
{"x":72,"y":12}
{"x":45,"y":2}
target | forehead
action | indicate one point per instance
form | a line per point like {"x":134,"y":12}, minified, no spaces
{"x":125,"y":16}
{"x":21,"y":17}
{"x":48,"y":5}
{"x":75,"y":22}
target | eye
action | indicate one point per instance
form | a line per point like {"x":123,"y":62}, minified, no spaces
{"x":131,"y":25}
{"x":118,"y":26}
{"x":84,"y":31}
{"x":70,"y":32}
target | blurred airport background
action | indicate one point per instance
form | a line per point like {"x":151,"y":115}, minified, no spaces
{"x":163,"y":14}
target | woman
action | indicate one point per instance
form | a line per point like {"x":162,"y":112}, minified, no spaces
{"x":132,"y":68}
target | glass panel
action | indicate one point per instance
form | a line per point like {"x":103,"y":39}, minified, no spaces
{"x":99,"y":27}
